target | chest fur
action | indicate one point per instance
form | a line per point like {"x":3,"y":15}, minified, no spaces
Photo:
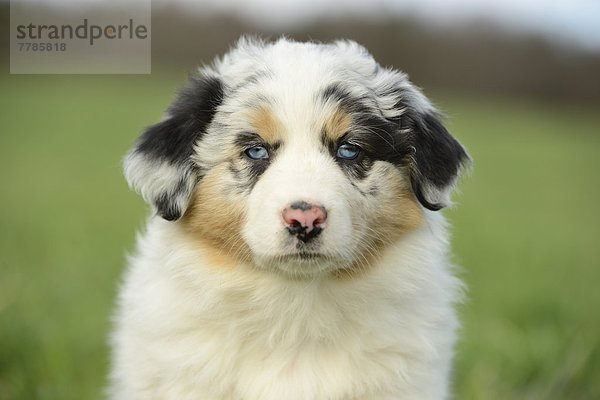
{"x":297,"y":341}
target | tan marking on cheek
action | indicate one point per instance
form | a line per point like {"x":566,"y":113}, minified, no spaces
{"x":337,"y":124}
{"x":214,"y":221}
{"x":266,"y":124}
{"x":398,"y":214}
{"x":401,"y":213}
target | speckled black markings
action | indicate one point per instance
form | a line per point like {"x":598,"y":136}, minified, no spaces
{"x":361,"y":191}
{"x":246,"y":174}
{"x":373,"y":190}
{"x":348,"y":102}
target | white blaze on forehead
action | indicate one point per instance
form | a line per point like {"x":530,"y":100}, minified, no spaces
{"x":299,"y":172}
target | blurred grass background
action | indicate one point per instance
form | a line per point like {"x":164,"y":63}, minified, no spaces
{"x":526,"y":228}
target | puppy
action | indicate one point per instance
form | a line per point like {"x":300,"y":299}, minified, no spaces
{"x":295,"y":251}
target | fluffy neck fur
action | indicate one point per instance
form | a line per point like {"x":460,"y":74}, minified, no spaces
{"x":309,"y":338}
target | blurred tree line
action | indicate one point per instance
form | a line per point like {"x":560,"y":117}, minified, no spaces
{"x":475,"y":58}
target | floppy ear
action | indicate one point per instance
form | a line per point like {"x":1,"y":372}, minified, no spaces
{"x":159,"y":166}
{"x":437,"y":159}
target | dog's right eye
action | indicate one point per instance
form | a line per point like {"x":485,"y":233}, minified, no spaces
{"x":257,"y":153}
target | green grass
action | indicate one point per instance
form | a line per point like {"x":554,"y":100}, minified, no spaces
{"x":526,"y":230}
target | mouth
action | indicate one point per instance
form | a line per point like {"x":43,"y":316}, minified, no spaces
{"x":300,"y":264}
{"x":302,"y":256}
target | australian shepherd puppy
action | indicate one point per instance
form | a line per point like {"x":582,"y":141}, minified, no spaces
{"x":295,"y":251}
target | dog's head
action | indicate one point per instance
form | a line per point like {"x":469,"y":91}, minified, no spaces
{"x":298,"y":157}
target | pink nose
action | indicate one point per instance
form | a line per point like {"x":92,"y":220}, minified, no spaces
{"x":304,"y":219}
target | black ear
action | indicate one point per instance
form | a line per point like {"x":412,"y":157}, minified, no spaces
{"x":159,"y":166}
{"x":437,"y":159}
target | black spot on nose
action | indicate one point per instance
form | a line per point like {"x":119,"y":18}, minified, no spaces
{"x":301,"y":205}
{"x":303,"y":234}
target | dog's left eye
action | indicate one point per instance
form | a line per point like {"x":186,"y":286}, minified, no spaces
{"x":257,"y":153}
{"x":348,"y":151}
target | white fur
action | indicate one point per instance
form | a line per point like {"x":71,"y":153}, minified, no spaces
{"x":153,"y":178}
{"x":187,"y":329}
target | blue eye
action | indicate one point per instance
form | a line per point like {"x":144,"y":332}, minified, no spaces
{"x":348,"y":151}
{"x":257,"y":153}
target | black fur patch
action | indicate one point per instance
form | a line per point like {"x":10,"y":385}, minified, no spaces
{"x":166,"y":207}
{"x":438,"y":156}
{"x":194,"y":108}
{"x":173,"y":139}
